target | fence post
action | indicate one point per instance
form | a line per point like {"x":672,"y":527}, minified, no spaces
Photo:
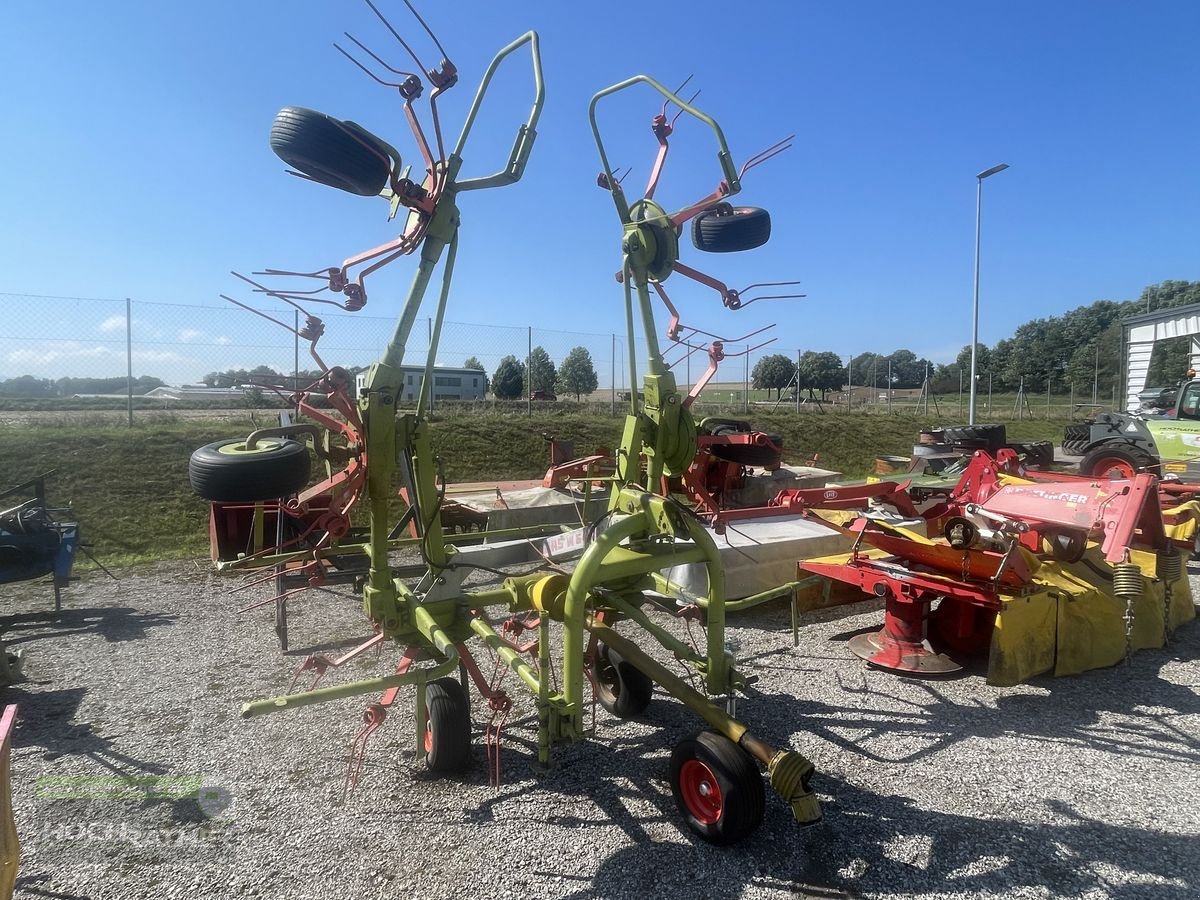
{"x":797,"y":381}
{"x":129,"y":356}
{"x":746,"y":380}
{"x":529,"y":371}
{"x":296,"y":350}
{"x":614,"y":373}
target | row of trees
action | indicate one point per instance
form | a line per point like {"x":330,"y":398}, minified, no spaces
{"x":1080,"y":348}
{"x":513,"y":378}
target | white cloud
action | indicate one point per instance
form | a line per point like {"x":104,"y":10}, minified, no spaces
{"x":71,"y":350}
{"x":186,"y":335}
{"x":223,"y":340}
{"x":112,"y":324}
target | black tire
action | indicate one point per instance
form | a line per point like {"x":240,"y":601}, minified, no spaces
{"x":339,"y":154}
{"x":718,"y":426}
{"x":621,"y":687}
{"x":1107,"y":459}
{"x":226,"y":472}
{"x":717,"y":787}
{"x":448,"y":732}
{"x":755,"y":455}
{"x":984,"y":437}
{"x":1039,"y":454}
{"x":728,"y":229}
{"x":1076,"y":438}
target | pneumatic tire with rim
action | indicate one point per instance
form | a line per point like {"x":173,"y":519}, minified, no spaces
{"x":448,"y":732}
{"x":717,"y":787}
{"x":1121,"y":462}
{"x":728,"y":229}
{"x":335,"y":153}
{"x":225,"y":471}
{"x":621,"y":688}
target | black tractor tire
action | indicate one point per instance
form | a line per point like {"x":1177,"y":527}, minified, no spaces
{"x":729,"y":229}
{"x":1038,"y":454}
{"x":225,"y":471}
{"x":448,"y":731}
{"x":621,"y":688}
{"x":718,"y":426}
{"x":751,"y":455}
{"x":335,"y":153}
{"x":717,"y":787}
{"x":977,"y":437}
{"x":1076,"y":438}
{"x":1117,"y":461}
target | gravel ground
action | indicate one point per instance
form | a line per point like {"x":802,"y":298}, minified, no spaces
{"x":1078,"y":787}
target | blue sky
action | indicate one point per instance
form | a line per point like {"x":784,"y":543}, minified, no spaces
{"x":134,"y":159}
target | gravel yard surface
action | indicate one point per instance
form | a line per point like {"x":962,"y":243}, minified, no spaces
{"x":1078,"y":787}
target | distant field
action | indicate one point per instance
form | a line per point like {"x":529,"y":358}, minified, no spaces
{"x":129,"y":487}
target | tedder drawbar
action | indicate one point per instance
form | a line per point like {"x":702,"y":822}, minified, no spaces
{"x":370,"y":448}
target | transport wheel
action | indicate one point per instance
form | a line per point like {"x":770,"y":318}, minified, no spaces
{"x":226,"y":471}
{"x":987,"y":437}
{"x":728,"y":229}
{"x":1116,"y":463}
{"x":1039,"y":454}
{"x":717,"y":787}
{"x":621,"y":688}
{"x":335,"y":153}
{"x":448,"y":732}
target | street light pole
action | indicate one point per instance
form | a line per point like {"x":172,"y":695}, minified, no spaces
{"x":975,"y":305}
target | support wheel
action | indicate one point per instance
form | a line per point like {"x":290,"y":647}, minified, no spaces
{"x":227,"y":472}
{"x":717,"y":787}
{"x":335,"y":153}
{"x":1117,"y":462}
{"x":728,"y":229}
{"x":621,"y":688}
{"x":448,"y":731}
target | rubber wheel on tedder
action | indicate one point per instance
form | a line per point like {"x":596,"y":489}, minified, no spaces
{"x":728,"y":229}
{"x":226,"y":472}
{"x":448,"y":731}
{"x":335,"y":153}
{"x":621,"y":688}
{"x":1117,"y":463}
{"x":717,"y":787}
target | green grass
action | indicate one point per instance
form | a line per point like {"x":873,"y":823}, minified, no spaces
{"x":129,"y":487}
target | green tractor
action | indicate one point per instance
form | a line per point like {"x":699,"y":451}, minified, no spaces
{"x":1119,"y":445}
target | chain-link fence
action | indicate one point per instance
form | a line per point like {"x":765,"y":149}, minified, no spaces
{"x":149,"y":355}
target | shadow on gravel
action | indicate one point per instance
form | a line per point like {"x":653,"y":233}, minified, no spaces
{"x":28,"y":886}
{"x":113,"y":623}
{"x":48,"y":720}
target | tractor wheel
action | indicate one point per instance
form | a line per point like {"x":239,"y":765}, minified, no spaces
{"x":1122,"y":462}
{"x":225,"y":471}
{"x":338,"y":154}
{"x":1037,"y":453}
{"x":448,"y":731}
{"x":717,"y":787}
{"x":986,"y":437}
{"x":1076,"y":438}
{"x":728,"y":229}
{"x":621,"y":688}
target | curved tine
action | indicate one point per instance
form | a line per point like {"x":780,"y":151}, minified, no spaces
{"x":761,"y":284}
{"x":760,"y":158}
{"x":746,"y":303}
{"x":370,"y":74}
{"x":749,"y":350}
{"x":396,"y":34}
{"x":732,"y":340}
{"x":257,"y":312}
{"x":365,"y":49}
{"x":428,"y":30}
{"x":667,"y":103}
{"x":283,"y":295}
{"x":691,"y":100}
{"x":320,"y":273}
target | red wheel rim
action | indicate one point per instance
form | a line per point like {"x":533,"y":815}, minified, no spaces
{"x":1113,"y":468}
{"x":428,"y":738}
{"x":700,"y":791}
